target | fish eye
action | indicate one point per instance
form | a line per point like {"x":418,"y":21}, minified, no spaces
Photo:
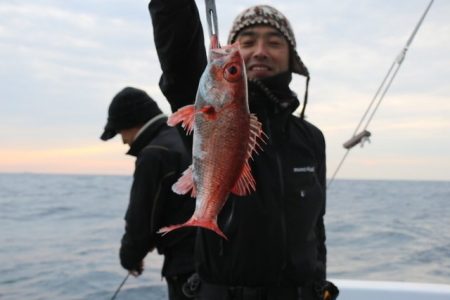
{"x":232,"y":72}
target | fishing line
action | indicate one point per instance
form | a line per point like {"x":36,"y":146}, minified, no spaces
{"x":364,"y":134}
{"x":120,"y":286}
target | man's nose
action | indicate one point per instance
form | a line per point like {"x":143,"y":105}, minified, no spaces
{"x":260,"y":50}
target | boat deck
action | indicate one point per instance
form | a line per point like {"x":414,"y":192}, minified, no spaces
{"x":384,"y":290}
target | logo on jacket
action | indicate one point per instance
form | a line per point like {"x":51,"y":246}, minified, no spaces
{"x":307,"y":169}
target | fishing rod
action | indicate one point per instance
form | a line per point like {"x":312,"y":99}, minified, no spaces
{"x":120,"y":287}
{"x":213,"y":27}
{"x":360,"y":137}
{"x":211,"y":18}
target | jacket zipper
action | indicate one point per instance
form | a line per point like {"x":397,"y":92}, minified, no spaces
{"x":283,"y":216}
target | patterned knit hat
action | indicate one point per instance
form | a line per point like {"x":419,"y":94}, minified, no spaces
{"x":267,"y":15}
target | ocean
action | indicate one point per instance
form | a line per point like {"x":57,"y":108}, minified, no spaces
{"x":60,"y":235}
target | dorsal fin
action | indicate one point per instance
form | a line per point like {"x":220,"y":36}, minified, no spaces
{"x":246,"y":182}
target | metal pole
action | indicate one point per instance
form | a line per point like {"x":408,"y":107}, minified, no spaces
{"x":211,"y":18}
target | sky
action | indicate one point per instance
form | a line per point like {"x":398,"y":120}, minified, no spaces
{"x":61,"y":62}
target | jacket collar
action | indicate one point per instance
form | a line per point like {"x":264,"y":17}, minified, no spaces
{"x":273,"y":94}
{"x":146,"y":134}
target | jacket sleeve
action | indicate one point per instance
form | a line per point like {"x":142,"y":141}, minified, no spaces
{"x":139,"y":237}
{"x":320,"y":227}
{"x":178,"y":36}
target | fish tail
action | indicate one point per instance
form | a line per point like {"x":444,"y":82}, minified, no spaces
{"x":208,"y":224}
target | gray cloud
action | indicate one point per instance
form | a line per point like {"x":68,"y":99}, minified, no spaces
{"x":62,"y":62}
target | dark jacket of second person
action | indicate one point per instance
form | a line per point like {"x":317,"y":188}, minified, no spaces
{"x":160,"y":158}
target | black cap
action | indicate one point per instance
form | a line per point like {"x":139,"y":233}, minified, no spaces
{"x":129,"y":108}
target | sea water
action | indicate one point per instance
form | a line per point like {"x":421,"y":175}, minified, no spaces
{"x":60,"y":235}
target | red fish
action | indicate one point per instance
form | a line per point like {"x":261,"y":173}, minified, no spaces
{"x":225,"y":136}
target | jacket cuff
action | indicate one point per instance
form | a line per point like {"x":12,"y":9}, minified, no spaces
{"x":131,"y":254}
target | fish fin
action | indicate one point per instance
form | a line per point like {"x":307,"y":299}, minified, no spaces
{"x":257,"y":136}
{"x":209,"y":112}
{"x":194,"y":191}
{"x":208,"y":224}
{"x":185,"y":115}
{"x":246,"y":182}
{"x":185,"y":183}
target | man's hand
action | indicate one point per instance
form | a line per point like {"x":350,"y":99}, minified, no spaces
{"x":138,"y":269}
{"x":326,"y":290}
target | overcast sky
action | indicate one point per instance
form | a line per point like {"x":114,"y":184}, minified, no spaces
{"x":63,"y":61}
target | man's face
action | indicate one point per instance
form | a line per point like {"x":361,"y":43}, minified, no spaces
{"x":265,"y":51}
{"x":128,"y":135}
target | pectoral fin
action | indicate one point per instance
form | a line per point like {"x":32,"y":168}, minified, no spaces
{"x":185,"y":115}
{"x":209,"y":112}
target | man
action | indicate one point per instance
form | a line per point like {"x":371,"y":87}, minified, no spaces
{"x":160,"y":158}
{"x":276,"y":248}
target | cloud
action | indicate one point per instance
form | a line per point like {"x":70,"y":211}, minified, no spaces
{"x":66,"y":60}
{"x":63,"y":59}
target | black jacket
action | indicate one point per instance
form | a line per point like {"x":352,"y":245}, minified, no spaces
{"x":276,"y":234}
{"x":160,"y":159}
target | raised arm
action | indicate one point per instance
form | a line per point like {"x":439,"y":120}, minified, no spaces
{"x":178,"y":36}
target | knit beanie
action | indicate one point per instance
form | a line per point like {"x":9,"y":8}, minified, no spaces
{"x":267,"y":15}
{"x":129,"y":108}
